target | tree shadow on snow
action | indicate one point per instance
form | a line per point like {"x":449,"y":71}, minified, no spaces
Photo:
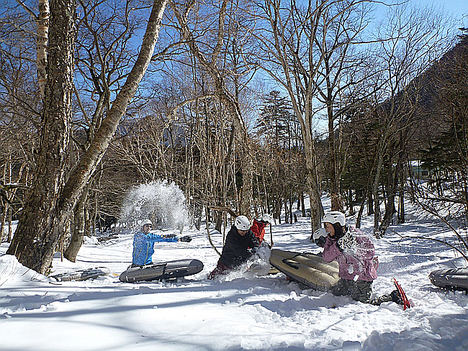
{"x":445,"y":333}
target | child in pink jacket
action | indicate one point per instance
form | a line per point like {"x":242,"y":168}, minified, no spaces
{"x":356,"y":258}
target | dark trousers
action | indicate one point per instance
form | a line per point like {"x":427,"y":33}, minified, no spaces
{"x":361,"y":291}
{"x":221,"y":268}
{"x":358,"y":290}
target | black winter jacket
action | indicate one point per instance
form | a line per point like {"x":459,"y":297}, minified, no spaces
{"x":236,"y":248}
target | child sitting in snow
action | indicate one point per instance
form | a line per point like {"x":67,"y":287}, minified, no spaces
{"x":143,"y":244}
{"x":240,"y":245}
{"x":356,"y":259}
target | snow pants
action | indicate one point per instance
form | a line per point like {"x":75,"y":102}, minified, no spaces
{"x":360,"y":290}
{"x":221,"y":268}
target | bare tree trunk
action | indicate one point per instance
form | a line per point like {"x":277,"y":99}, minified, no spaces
{"x":370,"y":202}
{"x":352,"y":212}
{"x":361,"y":210}
{"x":316,"y":209}
{"x":401,"y":198}
{"x":376,"y":181}
{"x":332,"y":164}
{"x":303,"y":209}
{"x":48,"y":211}
{"x":401,"y":203}
{"x":392,"y":184}
{"x":3,"y":220}
{"x":277,"y":209}
{"x":42,"y":36}
{"x":88,"y":222}
{"x":291,"y":204}
{"x":78,"y":229}
{"x":218,"y":219}
{"x":10,"y":228}
{"x":39,"y":227}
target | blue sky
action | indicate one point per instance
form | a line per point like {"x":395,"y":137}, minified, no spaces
{"x":458,"y":9}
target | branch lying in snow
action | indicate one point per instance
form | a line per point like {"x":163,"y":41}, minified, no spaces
{"x":432,"y":239}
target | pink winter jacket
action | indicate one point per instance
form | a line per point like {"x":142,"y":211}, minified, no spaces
{"x":355,"y":263}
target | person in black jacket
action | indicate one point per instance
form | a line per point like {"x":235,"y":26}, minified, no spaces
{"x":239,"y":246}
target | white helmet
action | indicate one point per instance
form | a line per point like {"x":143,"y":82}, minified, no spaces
{"x":145,"y":222}
{"x":242,"y":223}
{"x":334,"y":217}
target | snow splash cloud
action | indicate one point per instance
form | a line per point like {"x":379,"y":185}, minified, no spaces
{"x":161,"y":202}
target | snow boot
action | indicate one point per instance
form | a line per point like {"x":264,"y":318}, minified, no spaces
{"x":395,"y":296}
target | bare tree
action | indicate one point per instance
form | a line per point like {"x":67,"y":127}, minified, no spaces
{"x":410,"y":42}
{"x":287,"y":36}
{"x":341,"y":74}
{"x":42,"y":21}
{"x":48,"y":211}
{"x":210,"y":60}
{"x":103,"y":57}
{"x":37,"y":219}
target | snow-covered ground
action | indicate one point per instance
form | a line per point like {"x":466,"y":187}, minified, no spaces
{"x":238,"y":312}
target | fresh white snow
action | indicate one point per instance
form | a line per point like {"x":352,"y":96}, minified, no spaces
{"x":242,"y":311}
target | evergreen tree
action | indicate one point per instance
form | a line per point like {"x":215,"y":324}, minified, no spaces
{"x":276,"y":121}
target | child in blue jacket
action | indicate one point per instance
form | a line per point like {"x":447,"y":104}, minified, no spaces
{"x":143,"y":244}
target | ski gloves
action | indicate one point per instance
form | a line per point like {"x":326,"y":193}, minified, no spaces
{"x":345,"y":243}
{"x":319,"y":237}
{"x":186,"y":238}
{"x":252,"y":250}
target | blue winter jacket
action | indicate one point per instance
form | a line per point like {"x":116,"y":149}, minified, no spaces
{"x":143,"y":246}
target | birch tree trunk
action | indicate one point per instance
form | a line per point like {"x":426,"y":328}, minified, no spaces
{"x":38,"y":232}
{"x":52,"y":201}
{"x":78,"y":229}
{"x":42,"y":36}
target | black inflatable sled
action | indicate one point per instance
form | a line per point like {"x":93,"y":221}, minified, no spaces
{"x":307,"y":268}
{"x":453,"y":279}
{"x":82,"y":274}
{"x":160,"y":271}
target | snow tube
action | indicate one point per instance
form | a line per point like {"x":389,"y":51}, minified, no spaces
{"x":307,"y":268}
{"x":163,"y":270}
{"x":454,"y":279}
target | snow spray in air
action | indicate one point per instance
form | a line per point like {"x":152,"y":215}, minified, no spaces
{"x":161,"y":202}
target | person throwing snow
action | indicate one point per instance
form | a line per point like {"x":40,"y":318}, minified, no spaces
{"x":143,"y":244}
